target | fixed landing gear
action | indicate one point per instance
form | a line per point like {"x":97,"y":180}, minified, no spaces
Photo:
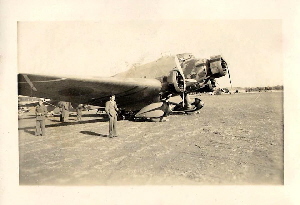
{"x":126,"y":115}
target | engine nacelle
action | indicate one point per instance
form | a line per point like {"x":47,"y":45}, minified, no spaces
{"x":218,"y":67}
{"x":201,"y":69}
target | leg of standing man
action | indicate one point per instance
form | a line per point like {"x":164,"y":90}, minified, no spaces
{"x":111,"y":119}
{"x":65,"y":115}
{"x":78,"y":117}
{"x":38,"y":128}
{"x":114,"y":127}
{"x":42,"y":122}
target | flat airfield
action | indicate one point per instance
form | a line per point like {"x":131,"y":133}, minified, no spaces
{"x":236,"y":139}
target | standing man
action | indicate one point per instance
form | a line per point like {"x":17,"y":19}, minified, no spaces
{"x":166,"y":107}
{"x":40,"y":113}
{"x":111,"y":109}
{"x":64,"y":111}
{"x":79,"y":112}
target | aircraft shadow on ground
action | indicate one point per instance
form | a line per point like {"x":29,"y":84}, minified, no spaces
{"x":92,"y":133}
{"x":63,"y":124}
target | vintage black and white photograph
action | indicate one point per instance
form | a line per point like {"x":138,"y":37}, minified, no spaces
{"x":169,"y":102}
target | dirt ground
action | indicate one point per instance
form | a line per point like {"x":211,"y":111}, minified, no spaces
{"x":236,"y":139}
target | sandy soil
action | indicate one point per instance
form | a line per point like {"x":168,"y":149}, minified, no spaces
{"x":236,"y":139}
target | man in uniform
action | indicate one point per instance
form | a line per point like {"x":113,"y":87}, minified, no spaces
{"x":64,"y":111}
{"x":79,"y":112}
{"x":111,"y":109}
{"x":40,"y":113}
{"x":166,"y":107}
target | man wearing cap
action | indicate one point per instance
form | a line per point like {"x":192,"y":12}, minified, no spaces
{"x":111,"y":109}
{"x":40,"y":113}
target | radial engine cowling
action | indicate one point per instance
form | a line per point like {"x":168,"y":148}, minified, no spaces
{"x":176,"y":81}
{"x":218,"y":66}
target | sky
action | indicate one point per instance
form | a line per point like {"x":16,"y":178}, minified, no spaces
{"x":252,"y":48}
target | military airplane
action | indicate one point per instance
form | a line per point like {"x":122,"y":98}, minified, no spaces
{"x":141,"y":90}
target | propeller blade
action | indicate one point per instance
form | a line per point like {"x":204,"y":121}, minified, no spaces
{"x":177,"y":63}
{"x":182,"y":99}
{"x":181,"y":72}
{"x":229,"y":77}
{"x":178,"y":66}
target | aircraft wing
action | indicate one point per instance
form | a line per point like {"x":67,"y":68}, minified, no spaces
{"x":130,"y":92}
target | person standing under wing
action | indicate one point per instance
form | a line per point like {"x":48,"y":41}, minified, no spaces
{"x":111,"y":109}
{"x":40,"y":113}
{"x":79,"y":112}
